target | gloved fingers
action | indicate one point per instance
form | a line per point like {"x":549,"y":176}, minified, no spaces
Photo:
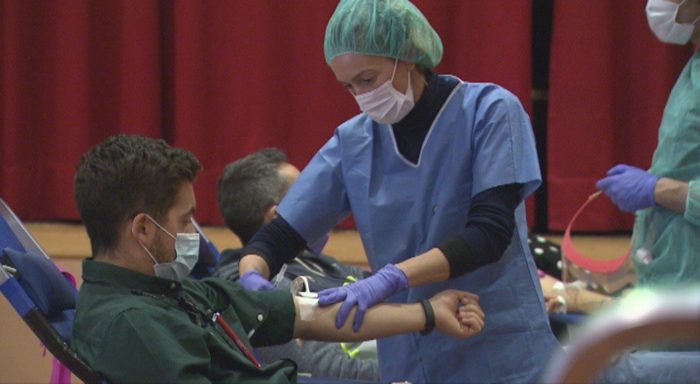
{"x":254,"y":281}
{"x":343,"y":312}
{"x":359,"y":316}
{"x":616,"y":198}
{"x":605,"y":183}
{"x":620,"y":168}
{"x":331,"y":296}
{"x":625,"y":205}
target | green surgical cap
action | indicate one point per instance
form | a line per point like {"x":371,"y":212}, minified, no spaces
{"x":388,"y":28}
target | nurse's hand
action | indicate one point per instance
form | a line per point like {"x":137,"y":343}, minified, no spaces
{"x":254,"y":281}
{"x":457,"y":313}
{"x":364,"y":293}
{"x":630,"y":188}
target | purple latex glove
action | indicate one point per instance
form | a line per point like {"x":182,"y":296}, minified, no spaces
{"x":364,"y":293}
{"x":254,"y":281}
{"x":629,"y":187}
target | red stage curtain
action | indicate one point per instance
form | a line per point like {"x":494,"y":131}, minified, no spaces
{"x":609,"y":80}
{"x":73,"y":72}
{"x":221,"y":78}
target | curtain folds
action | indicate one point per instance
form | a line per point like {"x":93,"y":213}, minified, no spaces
{"x":220,"y":78}
{"x":225,"y":78}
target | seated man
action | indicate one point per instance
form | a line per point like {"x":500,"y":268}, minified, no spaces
{"x":141,"y":319}
{"x":249,"y":190}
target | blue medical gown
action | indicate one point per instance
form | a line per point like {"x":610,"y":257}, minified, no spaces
{"x":674,"y":238}
{"x":480,"y":139}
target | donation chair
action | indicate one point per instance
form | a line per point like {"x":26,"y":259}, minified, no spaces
{"x":643,"y":318}
{"x":39,"y":292}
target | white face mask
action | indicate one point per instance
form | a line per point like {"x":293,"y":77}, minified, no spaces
{"x":385,"y":104}
{"x":186,"y":255}
{"x":661,"y":15}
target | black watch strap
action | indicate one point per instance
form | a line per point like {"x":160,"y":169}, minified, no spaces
{"x":429,"y":317}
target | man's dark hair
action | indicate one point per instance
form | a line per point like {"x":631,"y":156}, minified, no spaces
{"x":125,"y":175}
{"x":248,"y":188}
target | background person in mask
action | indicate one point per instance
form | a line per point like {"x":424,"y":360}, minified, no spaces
{"x":135,"y":323}
{"x":435,"y":171}
{"x":248,"y":193}
{"x":666,"y":198}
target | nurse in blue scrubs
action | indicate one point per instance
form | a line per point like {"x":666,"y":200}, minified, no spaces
{"x":435,"y":171}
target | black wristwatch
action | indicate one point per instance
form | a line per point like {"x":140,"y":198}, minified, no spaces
{"x":429,"y":317}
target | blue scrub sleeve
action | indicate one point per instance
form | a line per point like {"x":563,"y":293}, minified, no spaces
{"x":488,"y":231}
{"x":318,"y":200}
{"x":692,"y":203}
{"x":276,"y":242}
{"x":504,"y":144}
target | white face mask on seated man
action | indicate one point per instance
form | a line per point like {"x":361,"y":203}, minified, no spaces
{"x":186,"y":255}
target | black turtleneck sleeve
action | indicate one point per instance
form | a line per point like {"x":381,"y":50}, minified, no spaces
{"x":488,"y":231}
{"x":277,"y":242}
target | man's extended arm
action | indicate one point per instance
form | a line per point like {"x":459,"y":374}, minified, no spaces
{"x":457,"y":313}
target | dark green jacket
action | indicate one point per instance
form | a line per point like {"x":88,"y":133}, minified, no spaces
{"x":131,"y":328}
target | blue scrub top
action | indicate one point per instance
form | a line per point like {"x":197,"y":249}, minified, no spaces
{"x":480,"y":139}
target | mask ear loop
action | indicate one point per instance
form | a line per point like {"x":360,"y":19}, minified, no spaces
{"x":149,"y":254}
{"x":408,"y":74}
{"x":393,"y":73}
{"x":161,"y":227}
